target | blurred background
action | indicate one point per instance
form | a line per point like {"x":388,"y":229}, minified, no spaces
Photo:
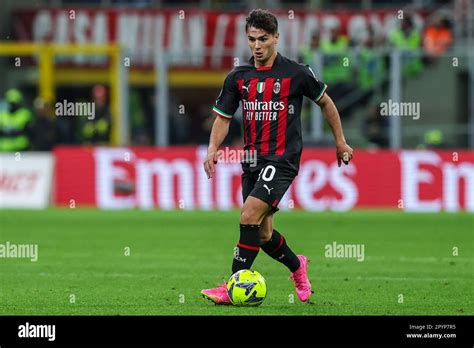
{"x":152,"y":70}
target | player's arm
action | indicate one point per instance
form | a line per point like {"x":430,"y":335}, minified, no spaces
{"x":329,"y":110}
{"x":226,"y":104}
{"x":219,"y":131}
{"x":316,"y":91}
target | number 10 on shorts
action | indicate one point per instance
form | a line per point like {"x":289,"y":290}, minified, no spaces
{"x":267,"y":173}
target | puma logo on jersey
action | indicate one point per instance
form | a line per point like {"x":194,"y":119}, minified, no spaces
{"x":246,"y":88}
{"x":268,"y":189}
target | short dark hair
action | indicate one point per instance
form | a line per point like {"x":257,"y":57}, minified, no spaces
{"x":262,"y":19}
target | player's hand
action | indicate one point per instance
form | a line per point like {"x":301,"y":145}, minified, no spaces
{"x":343,"y":153}
{"x":210,"y":162}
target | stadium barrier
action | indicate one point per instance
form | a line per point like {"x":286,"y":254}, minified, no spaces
{"x":173,"y":178}
{"x":25,"y":180}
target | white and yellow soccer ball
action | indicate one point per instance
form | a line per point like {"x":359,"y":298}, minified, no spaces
{"x":246,"y":288}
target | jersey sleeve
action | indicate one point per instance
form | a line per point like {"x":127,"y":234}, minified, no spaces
{"x":312,"y":87}
{"x":228,"y":100}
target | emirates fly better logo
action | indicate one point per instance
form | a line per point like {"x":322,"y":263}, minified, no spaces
{"x":262,"y":110}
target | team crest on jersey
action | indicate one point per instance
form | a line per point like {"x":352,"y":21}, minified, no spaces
{"x":260,"y":87}
{"x":276,"y":87}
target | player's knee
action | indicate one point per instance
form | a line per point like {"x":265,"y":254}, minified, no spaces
{"x":249,"y":216}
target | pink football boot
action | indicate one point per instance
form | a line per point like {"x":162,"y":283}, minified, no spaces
{"x":217,"y":295}
{"x":300,"y":278}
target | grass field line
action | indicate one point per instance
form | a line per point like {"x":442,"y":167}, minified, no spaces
{"x":319,"y":277}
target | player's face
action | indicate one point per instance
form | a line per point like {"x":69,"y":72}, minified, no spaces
{"x":262,"y":44}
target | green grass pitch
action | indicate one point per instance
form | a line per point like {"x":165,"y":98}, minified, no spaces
{"x":409,"y":267}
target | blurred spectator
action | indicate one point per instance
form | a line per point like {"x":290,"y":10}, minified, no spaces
{"x":433,"y":139}
{"x":15,"y":123}
{"x":307,"y":53}
{"x":97,"y":131}
{"x":335,"y":49}
{"x":408,"y":40}
{"x":139,"y":134}
{"x":44,"y":134}
{"x":438,"y":37}
{"x":336,"y":68}
{"x":375,"y":127}
{"x":371,"y":69}
{"x":181,"y":124}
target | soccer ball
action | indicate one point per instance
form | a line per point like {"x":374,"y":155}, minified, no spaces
{"x":246,"y":288}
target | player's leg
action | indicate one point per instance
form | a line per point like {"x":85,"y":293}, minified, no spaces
{"x":246,"y":250}
{"x":266,"y":228}
{"x":275,"y":246}
{"x":271,"y":185}
{"x":253,"y":212}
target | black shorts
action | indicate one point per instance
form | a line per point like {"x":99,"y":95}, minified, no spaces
{"x":269,"y":183}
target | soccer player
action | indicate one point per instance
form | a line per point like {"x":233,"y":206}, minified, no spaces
{"x":271,"y":90}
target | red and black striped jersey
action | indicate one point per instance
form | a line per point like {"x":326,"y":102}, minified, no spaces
{"x":271,"y":99}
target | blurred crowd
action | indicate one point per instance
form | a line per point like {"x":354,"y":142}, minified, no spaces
{"x":357,"y":73}
{"x":350,"y":85}
{"x":41,"y":127}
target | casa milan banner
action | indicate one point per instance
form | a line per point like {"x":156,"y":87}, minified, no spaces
{"x":196,"y":38}
{"x":174,"y":178}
